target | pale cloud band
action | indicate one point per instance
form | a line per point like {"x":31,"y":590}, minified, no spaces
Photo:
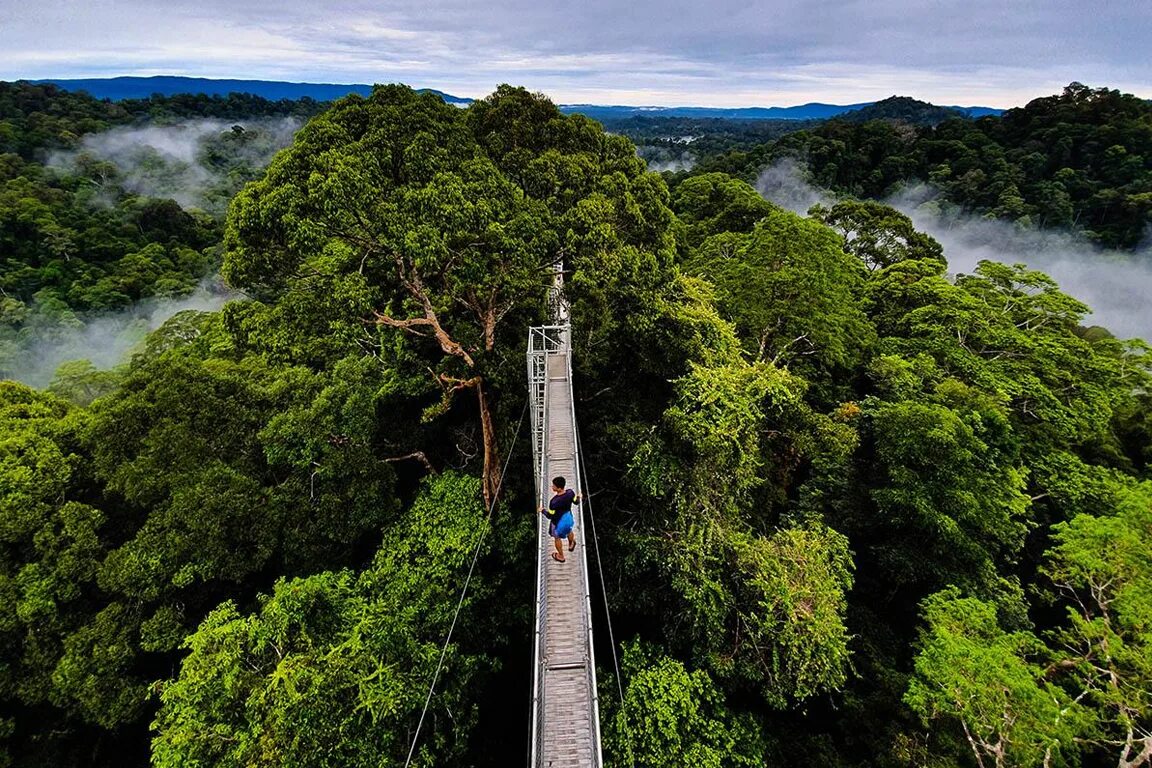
{"x":724,"y":53}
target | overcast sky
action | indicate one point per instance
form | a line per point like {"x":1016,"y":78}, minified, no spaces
{"x":997,"y":53}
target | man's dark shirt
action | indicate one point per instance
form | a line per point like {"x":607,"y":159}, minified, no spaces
{"x":560,"y":504}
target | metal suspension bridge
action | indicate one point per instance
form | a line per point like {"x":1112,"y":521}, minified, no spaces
{"x":565,"y":729}
{"x":565,"y":706}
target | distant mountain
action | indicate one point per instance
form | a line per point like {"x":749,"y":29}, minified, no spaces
{"x":913,"y":111}
{"x":975,"y":112}
{"x":813,"y":111}
{"x":117,"y":88}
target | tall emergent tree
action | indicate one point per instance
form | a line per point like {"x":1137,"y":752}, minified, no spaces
{"x":387,"y":212}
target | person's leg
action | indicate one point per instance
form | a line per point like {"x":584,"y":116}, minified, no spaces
{"x":571,"y":540}
{"x":559,"y":549}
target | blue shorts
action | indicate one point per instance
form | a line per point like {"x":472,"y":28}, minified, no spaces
{"x":563,"y":526}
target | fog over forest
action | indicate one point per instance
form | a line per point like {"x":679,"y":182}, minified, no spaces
{"x":177,"y":161}
{"x":183,"y":161}
{"x":1116,"y":286}
{"x":169,"y":161}
{"x":108,"y":340}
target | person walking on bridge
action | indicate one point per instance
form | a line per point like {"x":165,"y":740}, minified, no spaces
{"x":559,"y":516}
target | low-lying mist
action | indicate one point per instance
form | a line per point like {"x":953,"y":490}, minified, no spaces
{"x":106,"y":340}
{"x":198,"y":163}
{"x":661,"y":158}
{"x":1116,"y":285}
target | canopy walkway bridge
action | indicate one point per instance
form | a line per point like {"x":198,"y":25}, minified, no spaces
{"x":565,"y":706}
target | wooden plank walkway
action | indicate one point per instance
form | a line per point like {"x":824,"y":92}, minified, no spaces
{"x":567,"y":729}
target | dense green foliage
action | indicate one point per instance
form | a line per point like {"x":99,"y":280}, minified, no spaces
{"x":1079,"y":160}
{"x":333,"y":667}
{"x":89,"y":235}
{"x":71,"y":244}
{"x":853,"y":511}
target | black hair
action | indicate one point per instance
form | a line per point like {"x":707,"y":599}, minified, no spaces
{"x":558,"y":481}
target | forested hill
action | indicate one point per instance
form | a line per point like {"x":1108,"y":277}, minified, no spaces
{"x":853,"y":511}
{"x":1078,"y":161}
{"x":678,"y":142}
{"x":35,"y":119}
{"x":913,"y":111}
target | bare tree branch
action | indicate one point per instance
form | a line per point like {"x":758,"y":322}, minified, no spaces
{"x":418,"y":456}
{"x":410,"y":279}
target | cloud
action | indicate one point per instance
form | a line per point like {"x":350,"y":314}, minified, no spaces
{"x":674,"y":165}
{"x":1116,"y":286}
{"x":663,"y":158}
{"x":724,"y":52}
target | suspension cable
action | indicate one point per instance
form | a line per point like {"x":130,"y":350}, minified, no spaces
{"x":604,"y":592}
{"x":599,"y":564}
{"x":467,"y":579}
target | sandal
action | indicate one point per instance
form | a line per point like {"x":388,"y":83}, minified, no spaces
{"x":557,"y":558}
{"x":571,"y":547}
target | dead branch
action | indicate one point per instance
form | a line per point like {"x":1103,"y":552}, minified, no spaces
{"x":406,"y":325}
{"x":410,"y":279}
{"x":418,"y":456}
{"x":454,"y":384}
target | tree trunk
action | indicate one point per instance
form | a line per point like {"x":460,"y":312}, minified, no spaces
{"x":489,"y":314}
{"x":491,"y":452}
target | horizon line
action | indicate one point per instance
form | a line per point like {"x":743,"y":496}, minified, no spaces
{"x":474,"y":98}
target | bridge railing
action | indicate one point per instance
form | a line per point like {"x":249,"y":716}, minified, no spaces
{"x":542,"y":342}
{"x":590,"y":659}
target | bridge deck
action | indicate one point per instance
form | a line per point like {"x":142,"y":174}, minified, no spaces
{"x":566,"y":711}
